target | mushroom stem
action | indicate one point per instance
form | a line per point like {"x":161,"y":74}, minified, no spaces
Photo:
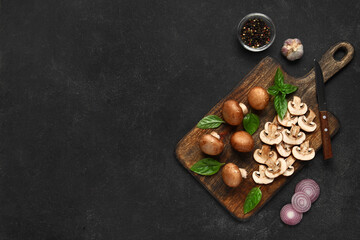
{"x":215,"y":134}
{"x":294,"y":131}
{"x":265,"y":150}
{"x":311,"y":116}
{"x":272,"y":164}
{"x":290,"y":161}
{"x":262,"y":169}
{"x":272,"y":130}
{"x":304,"y":147}
{"x":297,"y":101}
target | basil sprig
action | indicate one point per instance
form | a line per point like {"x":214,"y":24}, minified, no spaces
{"x":206,"y":166}
{"x":280,"y":90}
{"x":252,"y":199}
{"x":211,"y":121}
{"x":251,"y":123}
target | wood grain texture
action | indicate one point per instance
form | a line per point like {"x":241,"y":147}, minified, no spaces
{"x":188,"y":152}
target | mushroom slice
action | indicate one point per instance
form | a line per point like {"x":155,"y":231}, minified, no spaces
{"x":307,"y":123}
{"x":279,"y":127}
{"x":283,"y":149}
{"x":264,"y":154}
{"x":304,"y":152}
{"x":290,"y":169}
{"x":296,"y":107}
{"x":293,"y":136}
{"x":281,"y":164}
{"x":259,"y":176}
{"x":271,"y":135}
{"x":288,"y":120}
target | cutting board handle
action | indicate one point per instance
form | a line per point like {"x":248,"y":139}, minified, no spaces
{"x":329,"y":65}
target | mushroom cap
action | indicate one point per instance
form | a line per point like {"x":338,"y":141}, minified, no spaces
{"x":303,"y":152}
{"x":271,"y":174}
{"x":264,"y":136}
{"x":288,"y":120}
{"x":260,"y":177}
{"x":258,"y":98}
{"x":242,"y":141}
{"x":289,"y":171}
{"x":283,"y":149}
{"x":291,"y":140}
{"x":263,"y":154}
{"x":211,"y":145}
{"x":231,"y":175}
{"x":296,"y":107}
{"x":232,"y":112}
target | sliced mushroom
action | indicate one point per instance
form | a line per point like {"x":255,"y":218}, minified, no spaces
{"x":260,"y":177}
{"x":281,"y":164}
{"x":271,"y":135}
{"x":279,"y":127}
{"x":288,"y":120}
{"x":290,"y":169}
{"x":293,"y":136}
{"x":283,"y":149}
{"x":307,"y":123}
{"x":296,"y":107}
{"x":304,"y":152}
{"x":264,"y":154}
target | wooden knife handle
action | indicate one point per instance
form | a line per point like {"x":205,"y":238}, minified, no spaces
{"x":325,"y":135}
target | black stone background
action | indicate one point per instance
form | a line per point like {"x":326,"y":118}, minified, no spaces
{"x":94,"y":96}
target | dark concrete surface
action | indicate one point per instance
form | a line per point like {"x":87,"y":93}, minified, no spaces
{"x":94,"y":96}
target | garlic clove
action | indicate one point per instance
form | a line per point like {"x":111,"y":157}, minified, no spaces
{"x":292,"y":49}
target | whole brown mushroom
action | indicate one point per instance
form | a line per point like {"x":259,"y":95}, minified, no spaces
{"x":231,"y":175}
{"x":211,"y":144}
{"x":242,"y":141}
{"x":232,"y":112}
{"x":258,"y":98}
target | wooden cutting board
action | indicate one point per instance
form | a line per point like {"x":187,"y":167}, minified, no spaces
{"x":188,"y":151}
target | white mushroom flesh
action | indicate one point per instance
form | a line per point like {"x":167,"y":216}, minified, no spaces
{"x":260,"y":177}
{"x":304,"y":152}
{"x":307,"y":124}
{"x":296,"y":107}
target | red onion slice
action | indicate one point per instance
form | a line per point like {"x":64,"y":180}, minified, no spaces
{"x":301,"y":202}
{"x":310,"y":187}
{"x":289,"y":216}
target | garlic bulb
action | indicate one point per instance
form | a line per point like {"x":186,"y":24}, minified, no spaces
{"x":292,"y":49}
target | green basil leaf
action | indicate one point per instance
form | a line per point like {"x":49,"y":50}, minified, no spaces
{"x":206,"y":166}
{"x":280,"y":104}
{"x":288,"y":88}
{"x":211,"y":121}
{"x":279,"y":78}
{"x":252,"y":199}
{"x":251,"y":123}
{"x":273,"y":90}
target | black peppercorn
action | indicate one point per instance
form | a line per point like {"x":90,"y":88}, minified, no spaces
{"x":255,"y":33}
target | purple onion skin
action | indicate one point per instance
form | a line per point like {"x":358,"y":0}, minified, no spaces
{"x":310,"y":187}
{"x":301,"y":202}
{"x":289,"y":216}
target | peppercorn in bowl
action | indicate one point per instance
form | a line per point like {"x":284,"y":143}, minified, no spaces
{"x":256,"y":32}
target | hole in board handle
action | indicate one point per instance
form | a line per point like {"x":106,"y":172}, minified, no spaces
{"x":340,"y":53}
